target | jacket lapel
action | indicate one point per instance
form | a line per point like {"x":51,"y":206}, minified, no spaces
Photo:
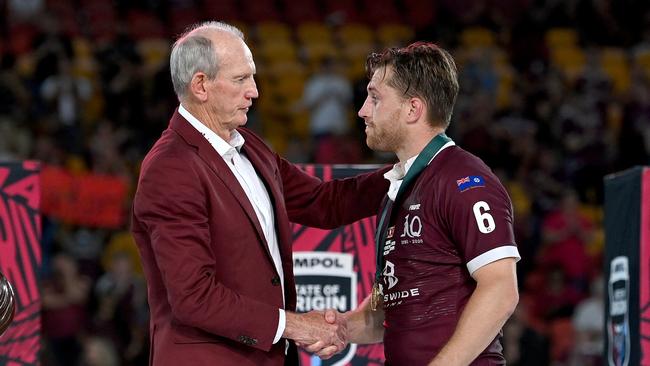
{"x":220,"y":168}
{"x":264,"y":168}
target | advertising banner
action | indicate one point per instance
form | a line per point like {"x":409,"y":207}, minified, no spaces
{"x":20,"y":258}
{"x":335,"y":269}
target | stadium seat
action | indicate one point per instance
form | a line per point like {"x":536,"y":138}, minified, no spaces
{"x":477,"y":37}
{"x":391,"y":35}
{"x":143,"y":25}
{"x":154,"y":52}
{"x":356,"y":33}
{"x":570,"y":60}
{"x":378,"y":12}
{"x":420,"y":13}
{"x":561,"y":37}
{"x":614,"y":63}
{"x":260,"y":11}
{"x":315,"y":53}
{"x":272,"y":32}
{"x":642,"y":60}
{"x":274,"y":51}
{"x":314,"y":32}
{"x":225,"y":10}
{"x":342,"y":10}
{"x":297,"y":12}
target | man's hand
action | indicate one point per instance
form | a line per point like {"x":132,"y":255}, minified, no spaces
{"x":322,"y":333}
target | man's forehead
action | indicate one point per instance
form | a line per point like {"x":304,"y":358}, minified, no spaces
{"x":379,"y":78}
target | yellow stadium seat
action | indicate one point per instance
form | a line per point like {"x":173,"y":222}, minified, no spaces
{"x":154,"y":51}
{"x":277,"y":51}
{"x":477,"y":37}
{"x":614,"y":63}
{"x":395,"y":35}
{"x":570,"y":60}
{"x":316,"y":52}
{"x":356,"y":33}
{"x":357,"y":50}
{"x":291,"y":89}
{"x":286,"y":69}
{"x":642,"y":60}
{"x":272,"y":31}
{"x":561,"y":37}
{"x":314,"y":32}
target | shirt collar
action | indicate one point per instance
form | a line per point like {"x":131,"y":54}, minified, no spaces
{"x":400,"y":169}
{"x":225,"y":149}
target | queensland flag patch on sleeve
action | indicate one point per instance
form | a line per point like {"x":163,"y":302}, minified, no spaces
{"x":471,"y":181}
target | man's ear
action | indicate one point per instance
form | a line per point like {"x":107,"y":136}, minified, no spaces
{"x":197,"y":86}
{"x":417,"y":108}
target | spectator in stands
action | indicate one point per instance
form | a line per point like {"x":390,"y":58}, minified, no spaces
{"x":566,"y":234}
{"x":122,"y":309}
{"x":65,"y":296}
{"x":588,"y":320}
{"x":99,"y":351}
{"x":328,"y":97}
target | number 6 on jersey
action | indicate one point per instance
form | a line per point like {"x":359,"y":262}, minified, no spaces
{"x":484,"y":220}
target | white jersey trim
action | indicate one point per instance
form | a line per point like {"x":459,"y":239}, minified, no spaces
{"x":493,"y":255}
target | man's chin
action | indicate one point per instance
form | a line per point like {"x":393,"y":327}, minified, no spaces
{"x":373,"y":144}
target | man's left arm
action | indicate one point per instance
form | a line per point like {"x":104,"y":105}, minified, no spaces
{"x":490,"y":305}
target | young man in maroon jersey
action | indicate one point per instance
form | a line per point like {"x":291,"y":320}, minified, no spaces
{"x":446,"y":252}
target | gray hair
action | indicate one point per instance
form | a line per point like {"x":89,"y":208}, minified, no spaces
{"x":194,"y":52}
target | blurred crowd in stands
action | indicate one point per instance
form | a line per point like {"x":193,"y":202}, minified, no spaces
{"x":554,"y":95}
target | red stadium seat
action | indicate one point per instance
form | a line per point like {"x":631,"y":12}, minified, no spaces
{"x":226,"y":10}
{"x":297,"y":12}
{"x":377,"y":12}
{"x":143,"y":25}
{"x":344,"y":10}
{"x":420,"y":13}
{"x":261,"y":10}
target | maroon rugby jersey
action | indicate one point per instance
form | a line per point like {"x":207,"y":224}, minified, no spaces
{"x":455,"y":218}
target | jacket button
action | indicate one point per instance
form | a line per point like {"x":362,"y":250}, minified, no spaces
{"x":247,"y":340}
{"x":275,"y":281}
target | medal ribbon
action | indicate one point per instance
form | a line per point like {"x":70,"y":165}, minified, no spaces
{"x":418,"y":166}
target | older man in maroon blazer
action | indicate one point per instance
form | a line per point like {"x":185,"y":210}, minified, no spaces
{"x":211,"y":219}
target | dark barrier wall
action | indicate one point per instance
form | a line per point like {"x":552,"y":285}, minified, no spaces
{"x":20,"y":258}
{"x":325,"y":278}
{"x":627,"y":268}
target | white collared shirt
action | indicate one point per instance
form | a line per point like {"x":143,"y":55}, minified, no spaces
{"x":396,"y":175}
{"x":254,"y":188}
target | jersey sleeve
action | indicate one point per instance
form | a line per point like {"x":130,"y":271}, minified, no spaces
{"x":479,"y":215}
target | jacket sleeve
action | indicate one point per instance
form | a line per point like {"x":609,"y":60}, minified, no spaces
{"x":328,"y":205}
{"x":174,"y":214}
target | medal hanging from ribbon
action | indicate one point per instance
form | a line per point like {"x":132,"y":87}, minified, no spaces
{"x":418,"y":166}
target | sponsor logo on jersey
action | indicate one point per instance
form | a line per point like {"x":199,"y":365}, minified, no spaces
{"x":389,"y":247}
{"x":391,"y":232}
{"x":389,"y":281}
{"x":414,"y":207}
{"x":412,"y":227}
{"x":389,"y":275}
{"x":471,"y":181}
{"x":396,"y":298}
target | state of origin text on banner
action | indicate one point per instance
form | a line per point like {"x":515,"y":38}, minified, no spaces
{"x":20,"y":257}
{"x":335,"y":269}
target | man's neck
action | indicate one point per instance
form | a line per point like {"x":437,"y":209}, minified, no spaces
{"x":416,"y":143}
{"x":200,"y":112}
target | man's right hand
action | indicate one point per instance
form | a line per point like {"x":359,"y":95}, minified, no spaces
{"x":324,"y":333}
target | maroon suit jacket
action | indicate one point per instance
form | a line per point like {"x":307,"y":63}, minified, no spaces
{"x":213,"y":290}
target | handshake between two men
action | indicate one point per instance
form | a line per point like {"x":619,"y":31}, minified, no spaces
{"x":324,"y":333}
